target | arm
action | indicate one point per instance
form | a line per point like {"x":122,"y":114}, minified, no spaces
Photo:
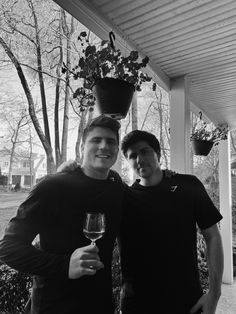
{"x":16,"y":248}
{"x":208,"y":302}
{"x":32,"y":218}
{"x":215,"y":259}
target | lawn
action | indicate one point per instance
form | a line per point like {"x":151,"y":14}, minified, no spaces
{"x":9,"y":201}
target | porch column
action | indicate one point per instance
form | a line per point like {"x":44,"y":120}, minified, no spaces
{"x":226,"y":208}
{"x":180,"y":125}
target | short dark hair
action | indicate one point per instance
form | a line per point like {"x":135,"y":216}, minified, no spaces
{"x":103,"y":122}
{"x":137,"y":136}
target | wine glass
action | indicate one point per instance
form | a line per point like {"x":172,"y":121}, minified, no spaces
{"x":94,"y":226}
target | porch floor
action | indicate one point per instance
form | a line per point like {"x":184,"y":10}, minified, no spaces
{"x":227,"y":302}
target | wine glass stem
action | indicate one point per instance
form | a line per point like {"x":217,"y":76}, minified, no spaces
{"x":93,"y":242}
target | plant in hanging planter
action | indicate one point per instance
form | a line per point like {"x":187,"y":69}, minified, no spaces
{"x":108,"y":76}
{"x":204,"y":136}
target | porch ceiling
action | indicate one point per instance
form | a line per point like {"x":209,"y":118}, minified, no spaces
{"x":181,"y":37}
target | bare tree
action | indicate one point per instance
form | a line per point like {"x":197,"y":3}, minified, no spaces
{"x":48,"y":41}
{"x":155,"y":119}
{"x":15,"y":124}
{"x":45,"y":141}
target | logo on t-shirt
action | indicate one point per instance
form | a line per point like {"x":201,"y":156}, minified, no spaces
{"x":173,"y":188}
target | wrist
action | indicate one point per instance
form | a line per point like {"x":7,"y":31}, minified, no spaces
{"x":216,"y":293}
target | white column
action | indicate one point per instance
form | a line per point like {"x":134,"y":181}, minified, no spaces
{"x":226,"y":208}
{"x":180,"y":126}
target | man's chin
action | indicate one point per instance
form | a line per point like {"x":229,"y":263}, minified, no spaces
{"x":105,"y":164}
{"x":143,"y":174}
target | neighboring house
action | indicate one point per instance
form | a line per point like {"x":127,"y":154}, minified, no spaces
{"x":22,"y":173}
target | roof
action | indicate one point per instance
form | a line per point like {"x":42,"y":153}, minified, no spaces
{"x":181,"y":37}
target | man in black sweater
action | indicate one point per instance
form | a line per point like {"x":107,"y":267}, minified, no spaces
{"x":71,"y":276}
{"x":158,"y":237}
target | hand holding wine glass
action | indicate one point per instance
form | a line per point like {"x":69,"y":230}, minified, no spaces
{"x":94,"y":226}
{"x":84,"y":261}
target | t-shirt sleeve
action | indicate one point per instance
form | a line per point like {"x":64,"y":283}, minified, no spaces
{"x":206,"y":213}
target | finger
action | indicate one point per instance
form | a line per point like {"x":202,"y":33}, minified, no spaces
{"x":91,"y":248}
{"x":196,"y":307}
{"x":89,"y":271}
{"x":87,"y":256}
{"x":92,"y":264}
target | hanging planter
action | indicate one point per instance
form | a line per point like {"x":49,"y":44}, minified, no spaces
{"x":113,"y":97}
{"x":108,"y":78}
{"x":202,"y":147}
{"x":204,"y":136}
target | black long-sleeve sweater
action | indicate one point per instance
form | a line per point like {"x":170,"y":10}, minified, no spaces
{"x":55,"y":211}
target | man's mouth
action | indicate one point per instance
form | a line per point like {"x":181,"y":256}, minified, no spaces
{"x":141,"y":167}
{"x":103,"y":156}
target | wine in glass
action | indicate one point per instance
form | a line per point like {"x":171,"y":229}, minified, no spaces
{"x":94,"y":226}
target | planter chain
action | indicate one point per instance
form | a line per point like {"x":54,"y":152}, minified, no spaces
{"x":112,"y":39}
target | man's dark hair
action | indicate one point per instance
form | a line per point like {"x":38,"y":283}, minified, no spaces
{"x":136,"y":136}
{"x":103,"y":122}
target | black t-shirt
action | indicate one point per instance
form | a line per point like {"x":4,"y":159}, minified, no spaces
{"x":158,"y":244}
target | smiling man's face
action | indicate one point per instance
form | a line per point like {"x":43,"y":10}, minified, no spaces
{"x":99,"y":151}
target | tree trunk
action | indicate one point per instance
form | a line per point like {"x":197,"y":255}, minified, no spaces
{"x":56,"y":121}
{"x":68,"y":32}
{"x":146,"y":115}
{"x":47,"y":147}
{"x":13,"y":140}
{"x":40,"y":75}
{"x":57,"y":99}
{"x":79,"y":136}
{"x":31,"y":162}
{"x":9,"y":176}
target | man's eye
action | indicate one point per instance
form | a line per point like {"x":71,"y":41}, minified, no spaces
{"x":111,"y":142}
{"x":132,"y":156}
{"x":146,"y":151}
{"x":96,"y":140}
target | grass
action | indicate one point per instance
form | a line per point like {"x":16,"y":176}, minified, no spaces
{"x":9,"y":202}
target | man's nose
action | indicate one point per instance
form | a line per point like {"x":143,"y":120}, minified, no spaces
{"x":103,"y":144}
{"x":139,"y":158}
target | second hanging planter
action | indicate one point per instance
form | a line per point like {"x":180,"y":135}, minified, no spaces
{"x":202,"y":147}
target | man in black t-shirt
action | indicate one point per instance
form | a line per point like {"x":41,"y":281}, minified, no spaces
{"x":70,"y":276}
{"x":158,"y":237}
